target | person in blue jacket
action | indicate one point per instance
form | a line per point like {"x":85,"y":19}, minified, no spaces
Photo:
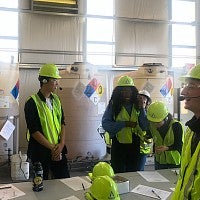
{"x":120,"y":120}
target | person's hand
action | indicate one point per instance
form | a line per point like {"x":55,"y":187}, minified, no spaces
{"x":160,"y":149}
{"x":131,"y":124}
{"x":56,"y":152}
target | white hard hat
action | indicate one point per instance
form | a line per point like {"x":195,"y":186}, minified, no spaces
{"x":145,"y":93}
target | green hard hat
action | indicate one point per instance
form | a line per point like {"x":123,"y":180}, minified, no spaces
{"x":194,"y":73}
{"x":157,"y":111}
{"x":103,"y":188}
{"x":49,"y":70}
{"x":101,"y":169}
{"x":125,"y":81}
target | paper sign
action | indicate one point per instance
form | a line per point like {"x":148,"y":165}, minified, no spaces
{"x":7,"y":130}
{"x":10,"y":192}
{"x":76,"y":183}
{"x":70,"y":198}
{"x":151,"y":192}
{"x":152,"y":176}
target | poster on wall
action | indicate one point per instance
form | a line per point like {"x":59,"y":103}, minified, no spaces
{"x":94,"y":90}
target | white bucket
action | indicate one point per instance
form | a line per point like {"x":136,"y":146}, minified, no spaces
{"x":19,"y":167}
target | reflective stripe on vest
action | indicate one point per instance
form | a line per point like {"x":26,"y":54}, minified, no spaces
{"x":50,"y":119}
{"x":188,"y":184}
{"x":166,"y":157}
{"x":124,"y":136}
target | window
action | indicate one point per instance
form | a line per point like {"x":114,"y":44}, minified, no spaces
{"x":183,"y":41}
{"x":100,"y":32}
{"x":8,"y":31}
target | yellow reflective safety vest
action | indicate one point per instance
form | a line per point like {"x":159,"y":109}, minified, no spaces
{"x":145,"y":148}
{"x":188,"y":185}
{"x":50,"y":119}
{"x":166,"y":157}
{"x":107,"y":139}
{"x":124,"y":136}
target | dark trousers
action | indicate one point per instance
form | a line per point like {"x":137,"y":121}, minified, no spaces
{"x":124,"y":157}
{"x":57,"y":169}
{"x":141,"y":161}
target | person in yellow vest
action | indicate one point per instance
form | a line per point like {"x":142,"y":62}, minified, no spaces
{"x":188,"y":184}
{"x":120,"y":120}
{"x":46,"y":126}
{"x":167,"y":136}
{"x":145,"y":139}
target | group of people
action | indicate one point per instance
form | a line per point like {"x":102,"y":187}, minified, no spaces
{"x":131,"y":120}
{"x":133,"y":123}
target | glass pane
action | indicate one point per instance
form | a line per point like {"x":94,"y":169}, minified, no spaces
{"x":183,"y":35}
{"x":183,"y":11}
{"x":100,"y":48}
{"x":9,"y":3}
{"x":100,"y":7}
{"x":7,"y":57}
{"x":8,"y":44}
{"x":100,"y":30}
{"x":183,"y":52}
{"x":100,"y":59}
{"x":182,"y":62}
{"x":8,"y":23}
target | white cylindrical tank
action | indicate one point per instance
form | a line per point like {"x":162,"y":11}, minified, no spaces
{"x":9,"y":106}
{"x":154,"y":78}
{"x":9,"y":88}
{"x":83,"y":97}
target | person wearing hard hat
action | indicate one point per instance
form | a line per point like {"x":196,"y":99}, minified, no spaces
{"x":188,"y":185}
{"x":46,"y":126}
{"x":167,"y":136}
{"x":120,"y":120}
{"x":103,"y":188}
{"x":145,"y":139}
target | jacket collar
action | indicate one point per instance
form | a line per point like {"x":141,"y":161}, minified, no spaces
{"x":42,"y":96}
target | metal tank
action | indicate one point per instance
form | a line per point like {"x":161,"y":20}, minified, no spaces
{"x":9,"y":108}
{"x":83,"y":96}
{"x":154,"y":78}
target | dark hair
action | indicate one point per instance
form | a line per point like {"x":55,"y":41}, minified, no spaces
{"x":117,"y":99}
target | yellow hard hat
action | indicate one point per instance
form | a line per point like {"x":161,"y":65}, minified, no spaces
{"x":157,"y":111}
{"x":103,"y":188}
{"x":101,"y":169}
{"x":49,"y":70}
{"x":125,"y":81}
{"x":194,"y":73}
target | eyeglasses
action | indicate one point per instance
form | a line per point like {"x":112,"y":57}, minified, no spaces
{"x":190,"y":86}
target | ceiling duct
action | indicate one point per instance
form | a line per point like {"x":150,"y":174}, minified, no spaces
{"x":55,"y":6}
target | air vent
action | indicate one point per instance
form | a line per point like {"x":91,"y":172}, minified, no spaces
{"x":55,"y":6}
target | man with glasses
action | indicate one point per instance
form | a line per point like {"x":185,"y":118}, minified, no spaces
{"x":188,"y":185}
{"x":46,"y":126}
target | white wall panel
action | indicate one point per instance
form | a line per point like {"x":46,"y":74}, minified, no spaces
{"x":142,"y":9}
{"x":50,"y":35}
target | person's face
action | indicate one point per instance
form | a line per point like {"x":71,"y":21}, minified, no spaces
{"x":158,"y":124}
{"x":142,"y":101}
{"x":192,"y":89}
{"x":52,"y":84}
{"x":126,"y":94}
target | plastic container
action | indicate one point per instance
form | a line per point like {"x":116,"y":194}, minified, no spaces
{"x":19,"y":167}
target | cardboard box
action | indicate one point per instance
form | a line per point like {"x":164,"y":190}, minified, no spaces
{"x":122,"y":184}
